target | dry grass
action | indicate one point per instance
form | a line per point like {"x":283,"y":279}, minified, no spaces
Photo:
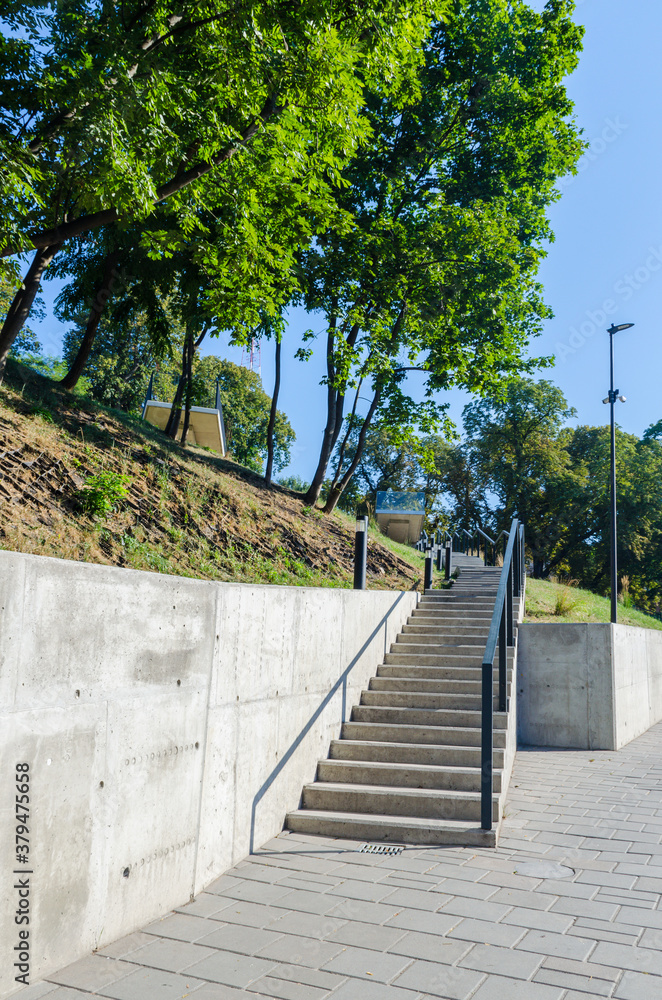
{"x":187,"y":512}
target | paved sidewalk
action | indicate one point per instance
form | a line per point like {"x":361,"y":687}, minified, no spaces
{"x":308,"y":918}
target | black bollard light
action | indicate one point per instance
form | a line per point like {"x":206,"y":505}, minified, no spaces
{"x":360,"y":552}
{"x":439,"y":557}
{"x":427,"y":583}
{"x":447,"y":572}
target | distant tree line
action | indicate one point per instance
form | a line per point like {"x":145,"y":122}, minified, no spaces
{"x":519,"y":458}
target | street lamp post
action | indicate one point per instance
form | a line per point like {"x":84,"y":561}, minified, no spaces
{"x":611,"y":399}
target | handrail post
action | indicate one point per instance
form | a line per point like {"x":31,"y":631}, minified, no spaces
{"x":487,"y":749}
{"x":503,"y":661}
{"x":516,"y":573}
{"x":509,"y":607}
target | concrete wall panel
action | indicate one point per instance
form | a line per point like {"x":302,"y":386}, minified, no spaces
{"x":588,"y":686}
{"x":169,"y":724}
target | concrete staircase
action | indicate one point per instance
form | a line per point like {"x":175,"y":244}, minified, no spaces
{"x":407,"y":766}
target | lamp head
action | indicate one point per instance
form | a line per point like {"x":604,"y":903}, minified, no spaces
{"x":621,"y":326}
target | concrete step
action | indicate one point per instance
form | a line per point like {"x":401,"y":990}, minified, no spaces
{"x":425,"y":633}
{"x":464,"y":718}
{"x":421,"y":685}
{"x":431,"y":803}
{"x":406,"y":657}
{"x":390,"y":829}
{"x":467,"y":702}
{"x":411,"y":753}
{"x":394,"y":732}
{"x":469,"y":671}
{"x":359,"y":772}
{"x":442,"y":639}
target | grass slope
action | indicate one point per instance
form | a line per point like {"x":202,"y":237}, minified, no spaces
{"x":187,"y":512}
{"x":554,"y":602}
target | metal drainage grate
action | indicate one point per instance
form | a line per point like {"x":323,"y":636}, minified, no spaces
{"x":380,"y":849}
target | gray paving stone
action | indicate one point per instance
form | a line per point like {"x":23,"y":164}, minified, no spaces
{"x":541,"y":920}
{"x":651,"y":938}
{"x":585,"y":908}
{"x":522,"y":897}
{"x":38,"y":990}
{"x":639,"y":917}
{"x":477,"y":908}
{"x":485,"y":932}
{"x":503,"y":988}
{"x":639,"y":986}
{"x":231,"y":969}
{"x":307,"y":951}
{"x":470,"y":890}
{"x":436,"y":980}
{"x":255,"y":892}
{"x":151,"y":984}
{"x":362,"y":909}
{"x":281,"y":989}
{"x":430,"y":947}
{"x":502,"y":961}
{"x":216,"y":991}
{"x":428,"y":923}
{"x":204,"y":905}
{"x":173,"y":956}
{"x":634,"y":959}
{"x":417,"y":899}
{"x":305,"y":924}
{"x":546,"y":943}
{"x":587,"y":984}
{"x":249,"y":914}
{"x":235,"y":937}
{"x":92,"y":973}
{"x":356,"y":889}
{"x":125,"y":945}
{"x":312,"y":977}
{"x":353,"y":990}
{"x":181,"y":927}
{"x":305,"y":901}
{"x":365,"y":963}
{"x":362,"y":935}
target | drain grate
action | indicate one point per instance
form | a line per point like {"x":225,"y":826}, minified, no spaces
{"x":380,"y":849}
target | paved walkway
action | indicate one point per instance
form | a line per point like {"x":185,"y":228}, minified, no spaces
{"x":307,"y":918}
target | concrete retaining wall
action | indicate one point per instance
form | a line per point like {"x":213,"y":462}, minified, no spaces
{"x":592,"y":687}
{"x":169,"y":725}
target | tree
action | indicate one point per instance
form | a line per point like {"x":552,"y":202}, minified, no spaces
{"x":112,"y":110}
{"x":449,"y":200}
{"x":518,"y":452}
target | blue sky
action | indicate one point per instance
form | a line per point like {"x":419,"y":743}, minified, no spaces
{"x":605,"y":264}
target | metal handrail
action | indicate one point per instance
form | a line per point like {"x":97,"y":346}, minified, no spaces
{"x":492,"y":543}
{"x":501,"y":631}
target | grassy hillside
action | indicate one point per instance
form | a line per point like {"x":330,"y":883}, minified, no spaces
{"x":185,"y":511}
{"x":554,"y":602}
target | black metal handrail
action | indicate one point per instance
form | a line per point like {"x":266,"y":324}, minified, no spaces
{"x":501,"y":631}
{"x":492,"y":543}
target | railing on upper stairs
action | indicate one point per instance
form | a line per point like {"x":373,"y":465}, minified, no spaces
{"x":511,"y":584}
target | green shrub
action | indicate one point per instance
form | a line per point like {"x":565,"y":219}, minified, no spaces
{"x":101,"y":492}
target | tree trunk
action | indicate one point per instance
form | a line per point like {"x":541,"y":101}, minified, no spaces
{"x":189,"y":386}
{"x":272,"y":418}
{"x":101,"y":298}
{"x":176,"y":409}
{"x":20,"y":308}
{"x":330,"y":431}
{"x":343,"y":446}
{"x":337,"y":491}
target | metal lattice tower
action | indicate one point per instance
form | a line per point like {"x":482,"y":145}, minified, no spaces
{"x":251,"y":357}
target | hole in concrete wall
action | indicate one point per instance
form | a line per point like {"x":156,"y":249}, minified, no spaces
{"x":77,"y":693}
{"x":101,"y":784}
{"x":178,"y":683}
{"x":126,"y":872}
{"x":197,"y":745}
